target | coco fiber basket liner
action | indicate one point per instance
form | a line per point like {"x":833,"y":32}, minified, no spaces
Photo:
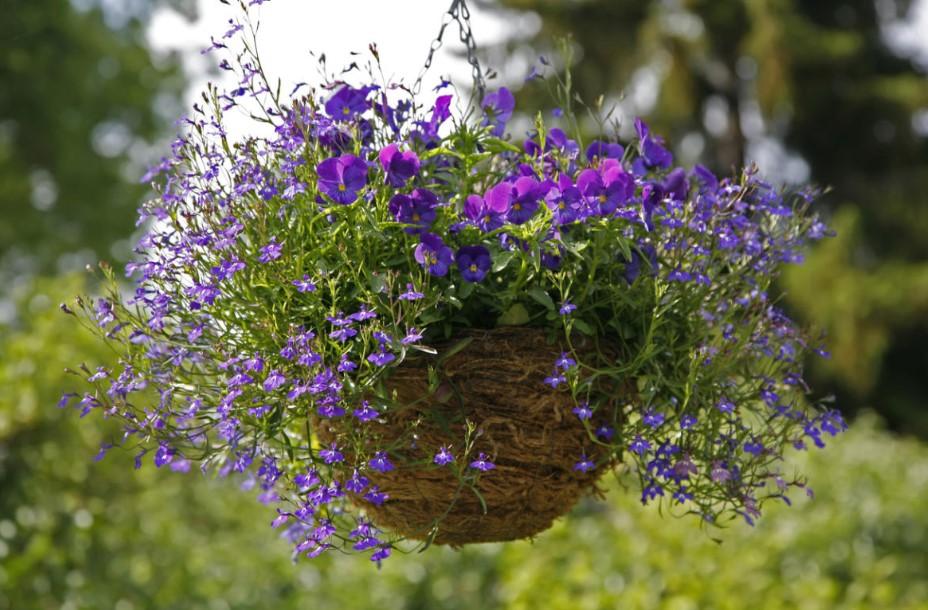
{"x":495,"y":382}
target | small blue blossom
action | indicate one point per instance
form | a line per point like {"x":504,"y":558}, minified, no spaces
{"x":583,"y":411}
{"x":443,"y":457}
{"x":482,"y":463}
{"x":380,"y":462}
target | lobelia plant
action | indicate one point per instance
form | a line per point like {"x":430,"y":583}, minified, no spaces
{"x":399,"y":324}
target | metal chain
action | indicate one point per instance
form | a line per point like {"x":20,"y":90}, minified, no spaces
{"x":459,"y":13}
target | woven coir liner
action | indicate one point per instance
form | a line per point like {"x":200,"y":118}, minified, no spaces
{"x":527,"y":430}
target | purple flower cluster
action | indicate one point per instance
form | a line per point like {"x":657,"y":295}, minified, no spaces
{"x":281,"y":280}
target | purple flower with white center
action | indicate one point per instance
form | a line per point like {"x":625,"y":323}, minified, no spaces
{"x":411,"y":294}
{"x":651,"y":491}
{"x":343,"y":334}
{"x":639,"y":445}
{"x":606,"y":433}
{"x":412,"y":336}
{"x":497,"y":107}
{"x":725,"y":406}
{"x":163,"y":455}
{"x":555,"y":379}
{"x":345,"y":365}
{"x":381,"y":357}
{"x":363,"y":314}
{"x":687,"y":421}
{"x":565,"y":362}
{"x":753,"y":447}
{"x":399,"y":165}
{"x":341,"y":178}
{"x":443,"y":457}
{"x":583,"y":411}
{"x":433,"y":254}
{"x":305,"y":284}
{"x":365,"y":412}
{"x":270,"y":252}
{"x":101,"y":373}
{"x":417,"y":209}
{"x":380,"y":554}
{"x":380,"y":462}
{"x":332,"y":455}
{"x":482,"y":463}
{"x":347,"y":102}
{"x":653,"y":419}
{"x":473,"y":262}
{"x":567,"y":308}
{"x":585,"y":464}
{"x":274,"y":380}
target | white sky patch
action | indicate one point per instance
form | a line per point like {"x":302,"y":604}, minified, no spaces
{"x":402,"y":29}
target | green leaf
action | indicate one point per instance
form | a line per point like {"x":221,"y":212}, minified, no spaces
{"x":514,"y":316}
{"x":541,"y":295}
{"x":503,"y":260}
{"x":585,"y":328}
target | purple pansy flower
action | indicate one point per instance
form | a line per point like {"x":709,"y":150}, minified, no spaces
{"x":563,"y":199}
{"x":342,"y":177}
{"x":606,"y":187}
{"x":603,"y":150}
{"x":399,"y":165}
{"x":347,"y":102}
{"x":497,"y":107}
{"x":525,"y":195}
{"x":489,"y":211}
{"x":433,"y":254}
{"x":473,"y":262}
{"x":417,"y":208}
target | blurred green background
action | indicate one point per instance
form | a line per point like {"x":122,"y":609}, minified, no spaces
{"x":819,"y":90}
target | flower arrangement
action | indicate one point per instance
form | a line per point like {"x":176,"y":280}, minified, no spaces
{"x":399,"y":323}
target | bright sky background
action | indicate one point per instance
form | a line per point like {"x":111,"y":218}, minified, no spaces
{"x":290,"y":29}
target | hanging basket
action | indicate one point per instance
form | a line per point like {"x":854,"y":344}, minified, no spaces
{"x":495,"y":383}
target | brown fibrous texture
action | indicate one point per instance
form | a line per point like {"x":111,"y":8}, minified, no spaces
{"x":495,"y":384}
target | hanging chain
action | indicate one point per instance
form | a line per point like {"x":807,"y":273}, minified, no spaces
{"x":459,"y":13}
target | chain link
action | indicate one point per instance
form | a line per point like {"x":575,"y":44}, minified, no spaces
{"x":459,"y":13}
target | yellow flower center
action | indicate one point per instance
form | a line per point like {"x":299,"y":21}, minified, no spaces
{"x":345,"y":111}
{"x":473,"y":267}
{"x":602,"y":199}
{"x":342,"y":187}
{"x":416,"y":217}
{"x":517,"y":206}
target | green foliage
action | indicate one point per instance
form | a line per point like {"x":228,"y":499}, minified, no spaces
{"x":85,"y":535}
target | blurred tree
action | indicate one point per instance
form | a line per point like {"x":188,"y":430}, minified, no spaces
{"x":795,"y":85}
{"x":78,"y":100}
